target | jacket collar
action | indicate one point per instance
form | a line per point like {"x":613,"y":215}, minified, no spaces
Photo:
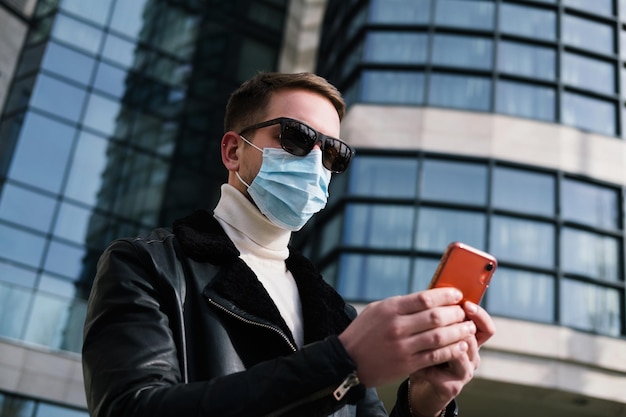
{"x":203,"y":240}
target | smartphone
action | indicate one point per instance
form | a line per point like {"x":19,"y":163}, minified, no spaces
{"x":466,"y":268}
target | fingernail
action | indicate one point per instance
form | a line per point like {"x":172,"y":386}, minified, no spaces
{"x":457,"y":294}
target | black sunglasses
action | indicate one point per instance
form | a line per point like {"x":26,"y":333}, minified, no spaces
{"x":299,"y":139}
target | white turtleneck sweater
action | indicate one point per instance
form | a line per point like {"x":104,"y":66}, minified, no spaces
{"x":263,"y":247}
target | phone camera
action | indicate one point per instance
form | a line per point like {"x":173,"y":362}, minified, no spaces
{"x":489,"y":267}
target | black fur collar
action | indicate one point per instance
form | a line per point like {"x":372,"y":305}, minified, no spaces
{"x":203,"y":240}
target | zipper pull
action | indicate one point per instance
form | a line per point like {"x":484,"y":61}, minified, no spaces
{"x":351,"y":381}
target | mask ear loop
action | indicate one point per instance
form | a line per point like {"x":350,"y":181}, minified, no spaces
{"x":240,"y":179}
{"x":251,"y":144}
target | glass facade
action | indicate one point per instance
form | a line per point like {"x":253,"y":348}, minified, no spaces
{"x":111,"y":127}
{"x":18,"y":406}
{"x":555,"y":61}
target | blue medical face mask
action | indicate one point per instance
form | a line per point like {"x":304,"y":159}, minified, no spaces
{"x":289,"y":189}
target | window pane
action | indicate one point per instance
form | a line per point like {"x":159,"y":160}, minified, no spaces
{"x":331,"y":234}
{"x":521,"y":294}
{"x":102,"y":113}
{"x":400,"y":11}
{"x":380,"y":226}
{"x":528,"y":61}
{"x":68,"y":63}
{"x":46,"y":97}
{"x":462,"y":51}
{"x":42,"y":152}
{"x":590,"y":307}
{"x":12,"y":274}
{"x":465,"y":14}
{"x":604,"y":7}
{"x":436,"y":228}
{"x":423,"y":270}
{"x":14,"y":304}
{"x":48,"y":320}
{"x":588,"y":34}
{"x":523,"y":191}
{"x":466,"y":92}
{"x":527,"y":21}
{"x":19,"y":407}
{"x":591,"y":204}
{"x":372,"y":277}
{"x":591,"y":255}
{"x":97,"y":12}
{"x":119,"y":50}
{"x":526,"y":100}
{"x":401,"y":48}
{"x":87,"y":168}
{"x":383,"y":176}
{"x":588,"y":73}
{"x":64,"y":259}
{"x":75,"y":33}
{"x":588,"y":113}
{"x":128,"y":17}
{"x":72,"y":223}
{"x":459,"y":182}
{"x":398,"y":87}
{"x":110,"y":80}
{"x":20,"y":246}
{"x":26,"y":208}
{"x":522,"y":241}
{"x":50,"y":410}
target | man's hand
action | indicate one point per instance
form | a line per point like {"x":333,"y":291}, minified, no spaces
{"x":401,"y":335}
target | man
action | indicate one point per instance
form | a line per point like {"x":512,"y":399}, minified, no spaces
{"x":220,"y":317}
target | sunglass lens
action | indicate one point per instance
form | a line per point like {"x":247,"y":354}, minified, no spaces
{"x":297,"y":138}
{"x":336,"y":155}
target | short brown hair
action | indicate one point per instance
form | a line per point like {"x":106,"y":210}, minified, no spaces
{"x":247,"y":104}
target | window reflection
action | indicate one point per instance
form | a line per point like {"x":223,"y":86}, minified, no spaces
{"x":110,"y":79}
{"x":436,"y":228}
{"x":460,"y":91}
{"x":588,"y":113}
{"x":51,"y":410}
{"x":588,"y":73}
{"x":86,"y":168}
{"x":590,"y":204}
{"x":465,"y":14}
{"x":128,"y":17}
{"x":526,"y":100}
{"x":71,"y":223}
{"x":68,"y":63}
{"x":396,"y":47}
{"x":603,"y":7}
{"x":379,"y":226}
{"x":589,"y":254}
{"x":383,"y":176}
{"x":454,"y":181}
{"x":64,"y":259}
{"x":590,"y":307}
{"x":587,"y":34}
{"x":14,"y":308}
{"x":101,"y":114}
{"x":400,"y":11}
{"x":26,"y":208}
{"x":521,"y":294}
{"x":526,"y":60}
{"x":13,"y":274}
{"x":523,"y":191}
{"x":462,"y":51}
{"x":522,"y":241}
{"x":372,"y":277}
{"x":398,"y":87}
{"x":46,"y":97}
{"x":97,"y":12}
{"x":73,"y":32}
{"x":20,"y":407}
{"x":423,"y":270}
{"x":47,"y":320}
{"x":20,"y":246}
{"x":119,"y":50}
{"x":527,"y":21}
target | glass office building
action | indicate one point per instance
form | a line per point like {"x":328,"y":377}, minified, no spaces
{"x":497,"y":123}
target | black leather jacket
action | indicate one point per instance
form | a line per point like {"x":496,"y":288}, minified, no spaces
{"x":178,"y":325}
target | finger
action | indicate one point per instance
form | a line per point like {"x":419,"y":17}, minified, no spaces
{"x":484,"y":324}
{"x":434,"y":318}
{"x":473,"y":353}
{"x":424,"y":300}
{"x":443,"y":336}
{"x":428,"y":358}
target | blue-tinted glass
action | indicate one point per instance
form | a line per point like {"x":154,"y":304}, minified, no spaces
{"x":588,"y":113}
{"x":373,"y":277}
{"x":603,"y":7}
{"x":49,"y":410}
{"x":401,"y":48}
{"x":398,"y":87}
{"x":71,"y":223}
{"x":383,"y":176}
{"x":622,"y":9}
{"x":87,"y":167}
{"x":49,"y":92}
{"x":78,"y":34}
{"x":527,"y":21}
{"x":128,"y":17}
{"x":13,"y":274}
{"x":57,"y":286}
{"x":588,"y":34}
{"x":64,"y":259}
{"x":42,"y":152}
{"x":423,"y":270}
{"x":119,"y":50}
{"x":400,"y":11}
{"x":20,"y":246}
{"x":436,"y":228}
{"x":27,"y":208}
{"x":590,"y":307}
{"x":522,"y":241}
{"x":110,"y":79}
{"x":331,"y":234}
{"x":68,"y":63}
{"x":521,"y":294}
{"x":526,"y":60}
{"x":590,"y":254}
{"x":526,"y":100}
{"x":101,"y":113}
{"x":523,"y":191}
{"x":465,"y":14}
{"x":14,"y":303}
{"x":380,"y":226}
{"x":19,"y":407}
{"x":463,"y":51}
{"x":456,"y":91}
{"x":588,"y":73}
{"x":590,"y":204}
{"x":622,"y":45}
{"x":459,"y":182}
{"x":47,"y":322}
{"x":97,"y":12}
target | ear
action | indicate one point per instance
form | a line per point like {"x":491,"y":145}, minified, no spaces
{"x":230,"y":150}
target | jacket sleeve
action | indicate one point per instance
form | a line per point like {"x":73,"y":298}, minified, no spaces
{"x":131,"y":361}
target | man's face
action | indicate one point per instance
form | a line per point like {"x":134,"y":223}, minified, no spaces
{"x":303,"y":105}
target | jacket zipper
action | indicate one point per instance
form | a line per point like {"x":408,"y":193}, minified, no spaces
{"x":254,"y":323}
